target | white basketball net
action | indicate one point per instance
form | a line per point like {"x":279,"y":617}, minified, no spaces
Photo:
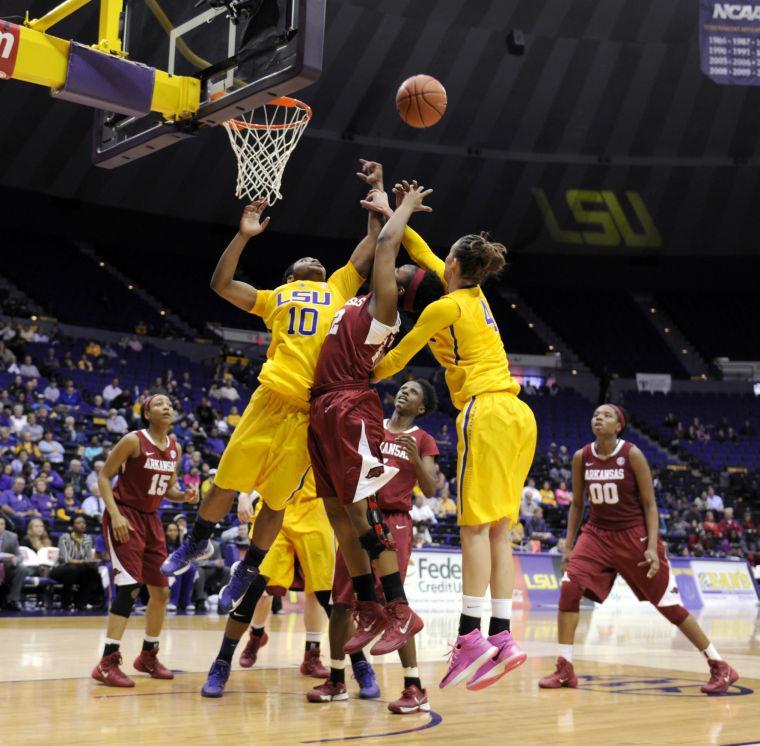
{"x":264,"y":145}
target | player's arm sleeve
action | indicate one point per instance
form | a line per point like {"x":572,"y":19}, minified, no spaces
{"x":429,"y":447}
{"x":346,"y":281}
{"x":262,"y":302}
{"x":438,"y":315}
{"x":421,"y":254}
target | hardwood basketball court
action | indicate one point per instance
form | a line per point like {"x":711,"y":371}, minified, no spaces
{"x":640,"y":685}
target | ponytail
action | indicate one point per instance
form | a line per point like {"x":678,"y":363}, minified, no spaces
{"x":479,"y":257}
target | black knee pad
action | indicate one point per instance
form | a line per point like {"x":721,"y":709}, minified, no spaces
{"x":371,"y":543}
{"x":244,"y":612}
{"x":324,"y":601}
{"x":125,"y":599}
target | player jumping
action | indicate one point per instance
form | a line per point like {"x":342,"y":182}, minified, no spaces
{"x":621,"y":536}
{"x":410,"y":450}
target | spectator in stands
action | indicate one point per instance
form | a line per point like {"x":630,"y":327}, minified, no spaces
{"x":214,"y":392}
{"x":198,"y":434}
{"x":93,"y":349}
{"x":714,"y":502}
{"x":422,"y":518}
{"x":69,"y":507}
{"x":99,"y":412}
{"x":94,"y":506}
{"x":547,"y":495}
{"x":531,"y":499}
{"x":28,"y":368}
{"x":33,"y":428}
{"x":36,"y":536}
{"x":92,"y":478}
{"x":192,"y":478}
{"x":748,"y":525}
{"x":670,"y":420}
{"x":559,"y":547}
{"x":76,"y":566}
{"x":181,"y":592}
{"x":94,"y":450}
{"x":7,"y":441}
{"x":444,"y":439}
{"x":710,"y":526}
{"x":18,"y":419}
{"x":22,"y":466}
{"x":42,"y":500}
{"x":729,"y":523}
{"x":51,"y":362}
{"x":16,"y":506}
{"x":84,"y":363}
{"x":26,"y":443}
{"x":13,"y":573}
{"x":214,"y":446}
{"x":679,"y":528}
{"x":212,"y":575}
{"x":52,"y":393}
{"x":563,"y":495}
{"x":233,"y":417}
{"x":70,"y":433}
{"x":70,"y":398}
{"x":237,"y":535}
{"x":16,"y":388}
{"x":447,"y":507}
{"x":517,"y":535}
{"x":181,"y":520}
{"x":6,"y":355}
{"x":229,"y":392}
{"x":536,"y":529}
{"x":54,"y":479}
{"x":111,"y":391}
{"x":747,"y":430}
{"x":51,"y":449}
{"x":116,"y":424}
{"x":76,"y":477}
{"x":528,"y":388}
{"x":700,"y":502}
{"x":205,"y":414}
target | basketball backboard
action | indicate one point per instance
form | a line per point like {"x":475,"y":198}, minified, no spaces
{"x":244,"y":52}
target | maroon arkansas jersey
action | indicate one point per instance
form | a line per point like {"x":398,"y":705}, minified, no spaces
{"x":353,"y":345}
{"x":396,"y":496}
{"x":613,"y":493}
{"x":144,"y":479}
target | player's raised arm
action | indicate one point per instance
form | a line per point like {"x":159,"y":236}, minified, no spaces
{"x":649,"y":504}
{"x":223,"y":281}
{"x":364,"y":253}
{"x":384,"y":303}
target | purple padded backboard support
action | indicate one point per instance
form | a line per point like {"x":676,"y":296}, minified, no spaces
{"x":107,"y":82}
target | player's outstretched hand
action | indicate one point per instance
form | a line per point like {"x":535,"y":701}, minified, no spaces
{"x":191,"y":495}
{"x":413,"y":194}
{"x":377,"y":201}
{"x":251,"y":223}
{"x":651,"y":559}
{"x":371,"y":174}
{"x":120,"y":527}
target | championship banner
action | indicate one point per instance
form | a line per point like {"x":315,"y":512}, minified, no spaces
{"x":729,"y":40}
{"x":654,"y":382}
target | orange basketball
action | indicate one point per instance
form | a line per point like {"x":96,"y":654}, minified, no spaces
{"x":421,"y":101}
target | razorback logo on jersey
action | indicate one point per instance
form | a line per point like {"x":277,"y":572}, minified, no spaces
{"x":375,"y":472}
{"x":9,"y":41}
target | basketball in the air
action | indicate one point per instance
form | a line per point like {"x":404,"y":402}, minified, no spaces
{"x":421,"y":101}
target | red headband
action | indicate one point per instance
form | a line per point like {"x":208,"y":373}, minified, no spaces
{"x":412,"y":291}
{"x":619,"y":413}
{"x":146,"y":404}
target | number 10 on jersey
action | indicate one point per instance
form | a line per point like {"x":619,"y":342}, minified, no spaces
{"x":302,"y":321}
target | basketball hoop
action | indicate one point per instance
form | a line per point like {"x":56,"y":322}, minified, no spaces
{"x":263,"y":141}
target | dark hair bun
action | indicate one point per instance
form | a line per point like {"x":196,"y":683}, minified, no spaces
{"x":479,"y":257}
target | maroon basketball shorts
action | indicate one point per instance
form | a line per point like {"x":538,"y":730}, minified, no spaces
{"x":345,"y":434}
{"x":401,"y":528}
{"x":600,"y":555}
{"x":139,"y":559}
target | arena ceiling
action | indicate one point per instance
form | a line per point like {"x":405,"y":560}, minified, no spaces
{"x":607,"y":110}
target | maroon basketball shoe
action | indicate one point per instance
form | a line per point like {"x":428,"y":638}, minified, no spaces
{"x":413,"y":699}
{"x":251,"y":649}
{"x":721,"y":678}
{"x":370,"y":620}
{"x":108,"y":672}
{"x":403,"y":624}
{"x":312,"y":665}
{"x":330,"y":691}
{"x":147,"y":662}
{"x":563,"y":676}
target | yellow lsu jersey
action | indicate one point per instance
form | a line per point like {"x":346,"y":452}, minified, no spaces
{"x":462,"y":334}
{"x":299,"y":315}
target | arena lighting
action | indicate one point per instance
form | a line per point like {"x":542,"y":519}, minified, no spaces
{"x":684,"y":351}
{"x":34,"y":318}
{"x":130,"y":287}
{"x":574,"y":372}
{"x":551,"y":347}
{"x":667,"y":330}
{"x":652,"y":310}
{"x":162,"y":312}
{"x":514,"y":305}
{"x":530,"y":324}
{"x":102,"y":264}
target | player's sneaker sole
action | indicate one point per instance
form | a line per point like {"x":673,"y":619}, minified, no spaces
{"x":207,"y":553}
{"x":501,"y":669}
{"x":472,"y":667}
{"x":399,"y":710}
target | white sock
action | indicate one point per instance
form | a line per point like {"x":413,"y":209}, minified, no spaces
{"x":313,"y":636}
{"x":501,"y":608}
{"x":111,"y":641}
{"x":148,"y":638}
{"x":473,"y":606}
{"x":339,"y":665}
{"x":711,"y":653}
{"x":566,"y":652}
{"x":412,"y":672}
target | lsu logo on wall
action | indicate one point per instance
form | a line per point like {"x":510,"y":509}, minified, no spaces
{"x":600,"y":219}
{"x":9,"y":40}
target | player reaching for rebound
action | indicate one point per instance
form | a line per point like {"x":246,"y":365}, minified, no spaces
{"x":146,"y":464}
{"x":306,"y":535}
{"x":496,"y":442}
{"x":621,"y":536}
{"x":267,"y":451}
{"x":410,"y":450}
{"x":346,"y":433}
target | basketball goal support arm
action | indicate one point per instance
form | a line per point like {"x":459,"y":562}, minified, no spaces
{"x":29,"y":54}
